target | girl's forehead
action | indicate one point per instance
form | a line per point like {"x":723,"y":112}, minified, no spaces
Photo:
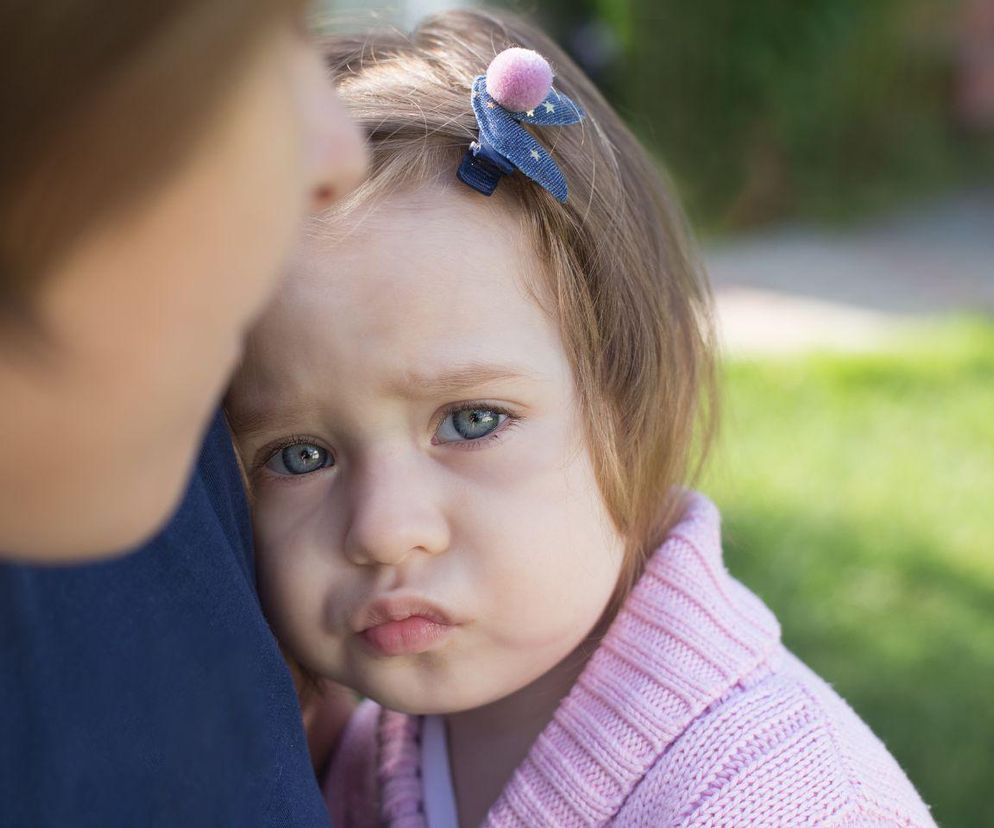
{"x":411,"y":256}
{"x":423,"y":225}
{"x":413,"y":282}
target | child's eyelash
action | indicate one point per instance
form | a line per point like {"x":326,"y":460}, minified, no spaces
{"x":270,"y":450}
{"x":513,"y":421}
{"x":475,"y":405}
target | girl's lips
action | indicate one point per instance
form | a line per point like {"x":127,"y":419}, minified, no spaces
{"x":402,"y":625}
{"x":412,"y":635}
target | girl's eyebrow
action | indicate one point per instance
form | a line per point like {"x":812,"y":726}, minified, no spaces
{"x":246,"y":423}
{"x":417,"y":385}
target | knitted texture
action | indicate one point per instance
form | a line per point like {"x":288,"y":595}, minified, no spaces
{"x":690,"y":713}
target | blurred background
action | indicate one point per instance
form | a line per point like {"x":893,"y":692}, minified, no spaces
{"x":836,"y":158}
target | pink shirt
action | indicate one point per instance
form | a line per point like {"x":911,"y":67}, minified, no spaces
{"x":690,"y":713}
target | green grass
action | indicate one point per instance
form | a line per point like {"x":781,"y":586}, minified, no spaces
{"x":858,"y":502}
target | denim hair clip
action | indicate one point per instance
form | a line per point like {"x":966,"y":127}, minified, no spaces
{"x":516,"y":90}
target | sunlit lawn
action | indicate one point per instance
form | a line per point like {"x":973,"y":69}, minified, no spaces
{"x":858,"y":499}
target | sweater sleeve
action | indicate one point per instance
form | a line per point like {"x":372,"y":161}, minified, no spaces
{"x":350,"y":786}
{"x":785,"y":750}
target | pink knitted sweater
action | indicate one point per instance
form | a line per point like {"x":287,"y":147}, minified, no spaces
{"x":690,"y":713}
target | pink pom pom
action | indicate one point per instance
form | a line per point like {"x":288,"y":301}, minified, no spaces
{"x":519,"y":79}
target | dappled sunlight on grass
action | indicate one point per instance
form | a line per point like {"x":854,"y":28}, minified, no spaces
{"x":858,"y":500}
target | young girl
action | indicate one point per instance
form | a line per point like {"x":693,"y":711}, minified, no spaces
{"x":467,"y":421}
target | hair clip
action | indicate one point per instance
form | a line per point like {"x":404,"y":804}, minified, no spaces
{"x":516,"y":90}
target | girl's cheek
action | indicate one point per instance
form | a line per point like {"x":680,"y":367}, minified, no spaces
{"x":527,"y":453}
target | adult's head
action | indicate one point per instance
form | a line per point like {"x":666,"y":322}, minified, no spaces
{"x":155,"y":160}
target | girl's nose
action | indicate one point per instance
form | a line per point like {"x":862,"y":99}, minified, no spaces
{"x":395,"y":513}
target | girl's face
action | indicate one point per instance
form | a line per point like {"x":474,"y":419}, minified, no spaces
{"x":429,"y":528}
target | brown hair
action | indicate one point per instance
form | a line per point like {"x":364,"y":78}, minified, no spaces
{"x":625,"y":285}
{"x":99,"y":101}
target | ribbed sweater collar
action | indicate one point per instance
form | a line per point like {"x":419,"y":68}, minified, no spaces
{"x":686,"y":635}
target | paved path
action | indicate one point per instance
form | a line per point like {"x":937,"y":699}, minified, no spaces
{"x":797,"y":288}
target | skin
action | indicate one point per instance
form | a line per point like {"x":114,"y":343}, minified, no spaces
{"x":363,"y":356}
{"x":145,"y":319}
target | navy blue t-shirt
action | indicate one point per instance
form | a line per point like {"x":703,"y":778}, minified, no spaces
{"x":148,"y":690}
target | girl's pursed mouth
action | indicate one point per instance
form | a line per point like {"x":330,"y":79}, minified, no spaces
{"x":402,"y":626}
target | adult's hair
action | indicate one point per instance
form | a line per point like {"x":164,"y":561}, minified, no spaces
{"x":100,"y":100}
{"x":621,"y":275}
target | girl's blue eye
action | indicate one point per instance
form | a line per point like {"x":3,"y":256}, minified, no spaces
{"x":469,"y":424}
{"x":300,"y":458}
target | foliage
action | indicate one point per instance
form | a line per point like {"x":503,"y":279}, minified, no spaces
{"x":858,"y":500}
{"x":773,"y":108}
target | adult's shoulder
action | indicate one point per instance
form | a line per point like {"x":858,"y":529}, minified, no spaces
{"x":219,"y":470}
{"x":148,"y":689}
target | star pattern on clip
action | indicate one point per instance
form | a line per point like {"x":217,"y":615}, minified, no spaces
{"x":505,"y":145}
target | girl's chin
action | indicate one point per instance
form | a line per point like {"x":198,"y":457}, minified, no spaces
{"x":429,"y":699}
{"x":416,"y":705}
{"x":433,"y":701}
